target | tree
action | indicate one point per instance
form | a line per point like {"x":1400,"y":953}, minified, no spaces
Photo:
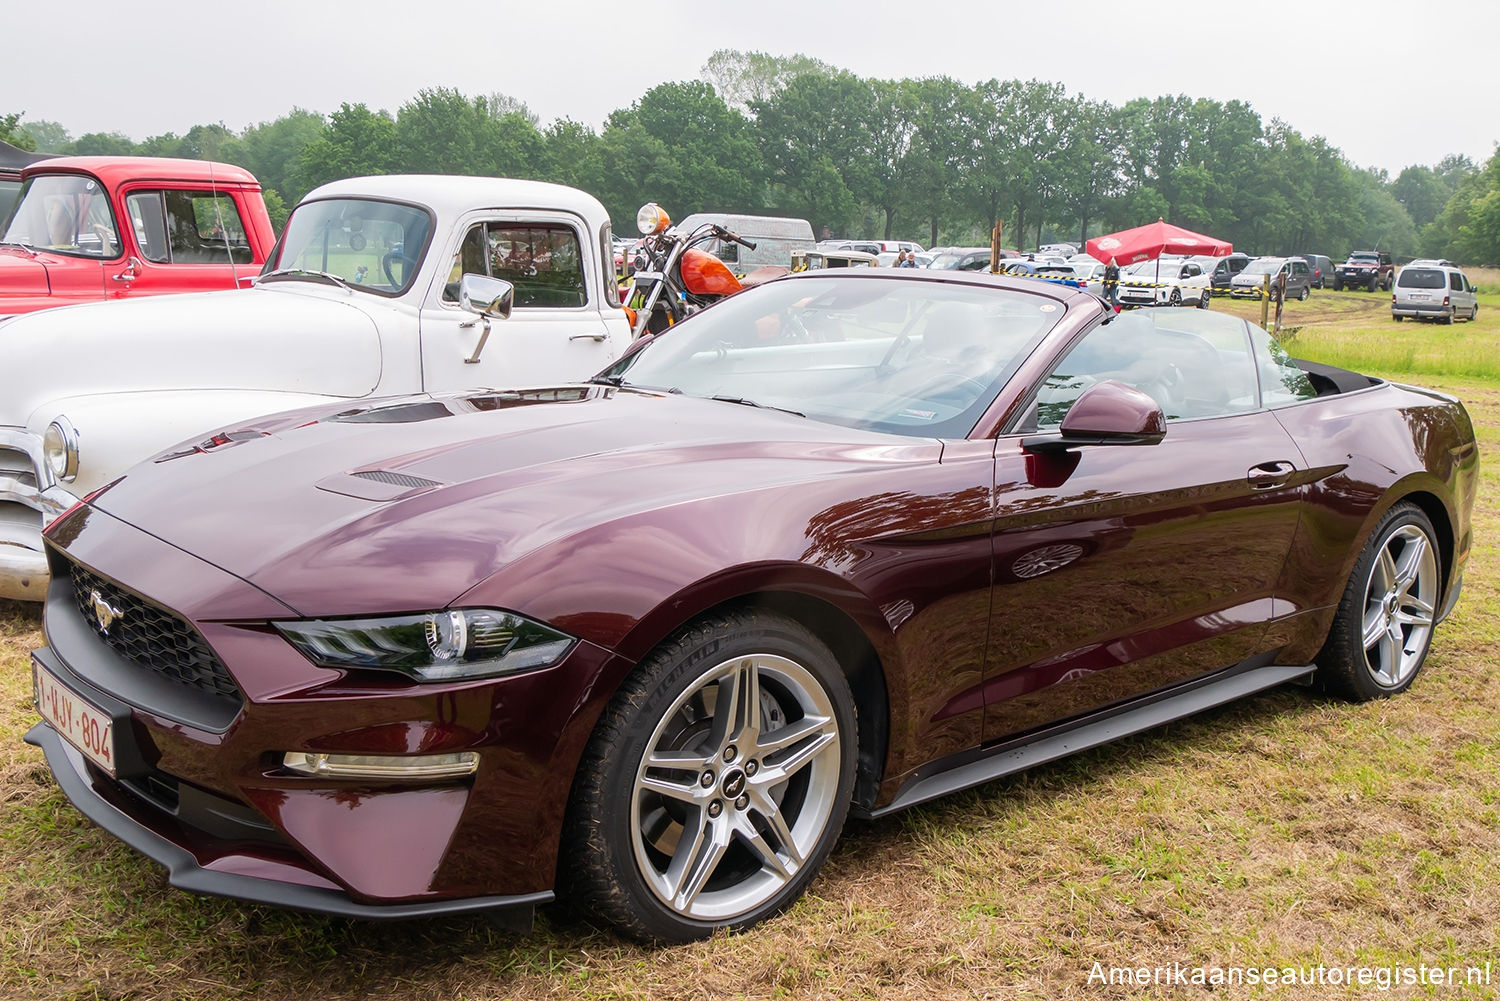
{"x":356,"y":141}
{"x":11,"y":132}
{"x":272,"y":151}
{"x":47,"y":137}
{"x":103,"y":144}
{"x":743,"y":79}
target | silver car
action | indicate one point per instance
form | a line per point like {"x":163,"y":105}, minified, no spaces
{"x":1433,"y":292}
{"x":1250,"y":282}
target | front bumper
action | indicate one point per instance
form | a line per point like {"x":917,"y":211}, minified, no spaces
{"x":199,"y":785}
{"x":117,"y":812}
{"x":29,"y":497}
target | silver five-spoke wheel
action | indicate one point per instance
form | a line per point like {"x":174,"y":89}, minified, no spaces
{"x":736,"y":787}
{"x":1400,"y":605}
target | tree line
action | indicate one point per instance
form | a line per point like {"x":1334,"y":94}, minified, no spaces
{"x":935,"y":160}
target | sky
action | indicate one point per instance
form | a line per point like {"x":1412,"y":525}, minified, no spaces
{"x":1391,"y":84}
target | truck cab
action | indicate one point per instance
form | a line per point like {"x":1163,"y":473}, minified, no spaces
{"x":363,"y":296}
{"x":94,"y":228}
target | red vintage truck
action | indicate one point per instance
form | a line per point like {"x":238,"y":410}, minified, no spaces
{"x":91,"y":228}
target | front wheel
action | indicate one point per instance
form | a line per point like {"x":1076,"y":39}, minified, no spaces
{"x":1384,"y":624}
{"x":716,"y":783}
{"x":1175,"y":299}
{"x":1338,"y":284}
{"x":1203,"y":299}
{"x":1302,"y":296}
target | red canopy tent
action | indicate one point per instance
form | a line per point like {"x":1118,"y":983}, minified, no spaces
{"x":1151,"y":241}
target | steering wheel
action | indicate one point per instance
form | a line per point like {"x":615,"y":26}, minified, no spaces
{"x":389,"y":259}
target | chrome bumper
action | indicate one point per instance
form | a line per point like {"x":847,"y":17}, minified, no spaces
{"x":29,"y":498}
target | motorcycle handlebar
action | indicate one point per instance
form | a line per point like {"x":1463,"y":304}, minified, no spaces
{"x":724,"y":234}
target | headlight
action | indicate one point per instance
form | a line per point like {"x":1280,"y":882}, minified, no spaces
{"x":60,"y":446}
{"x":451,"y":645}
{"x":651,"y":219}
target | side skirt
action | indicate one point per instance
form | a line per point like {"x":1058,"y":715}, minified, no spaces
{"x":964,"y":771}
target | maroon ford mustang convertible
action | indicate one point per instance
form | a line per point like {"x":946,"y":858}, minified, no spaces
{"x":835,"y":545}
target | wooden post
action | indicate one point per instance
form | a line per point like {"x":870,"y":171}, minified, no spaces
{"x":1280,"y":301}
{"x":1265,"y":301}
{"x":995,"y":247}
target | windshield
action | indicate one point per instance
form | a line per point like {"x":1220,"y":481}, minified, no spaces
{"x":1263,"y":266}
{"x":906,"y":357}
{"x":368,"y":244}
{"x":65,"y":213}
{"x":1165,"y":265}
{"x":951,"y":261}
{"x":1364,"y":258}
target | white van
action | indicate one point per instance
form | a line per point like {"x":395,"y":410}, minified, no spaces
{"x":1431,"y":291}
{"x":775,"y":238}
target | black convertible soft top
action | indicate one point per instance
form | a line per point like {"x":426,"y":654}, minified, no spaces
{"x":13,"y":159}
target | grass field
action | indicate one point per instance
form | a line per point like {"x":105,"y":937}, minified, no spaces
{"x":1288,"y":831}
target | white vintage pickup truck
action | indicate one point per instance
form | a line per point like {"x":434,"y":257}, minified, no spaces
{"x":360,"y":298}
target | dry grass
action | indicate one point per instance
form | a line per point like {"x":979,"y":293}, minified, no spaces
{"x":1287,"y":830}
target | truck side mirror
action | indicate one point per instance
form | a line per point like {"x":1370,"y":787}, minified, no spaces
{"x":488,"y":298}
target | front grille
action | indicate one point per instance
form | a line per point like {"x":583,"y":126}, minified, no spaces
{"x":149,"y":636}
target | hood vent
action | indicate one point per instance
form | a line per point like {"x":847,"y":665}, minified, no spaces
{"x":396,"y":479}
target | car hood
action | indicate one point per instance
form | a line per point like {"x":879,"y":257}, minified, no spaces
{"x":407,"y":503}
{"x":240,"y":339}
{"x":22,"y":274}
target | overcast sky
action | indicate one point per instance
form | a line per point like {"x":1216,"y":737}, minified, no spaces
{"x":1389,"y":83}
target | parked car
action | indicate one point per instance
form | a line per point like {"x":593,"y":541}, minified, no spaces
{"x":863,"y":246}
{"x":775,"y":238}
{"x":1167,"y":281}
{"x":1433,"y":292}
{"x":886,"y":536}
{"x":1366,"y":269}
{"x":963,"y":259}
{"x":1063,"y":250}
{"x":12,"y":160}
{"x":91,"y":228}
{"x":362,"y":298}
{"x":1250,"y":282}
{"x":1221,"y":275}
{"x":808,"y":260}
{"x":1322,"y":269}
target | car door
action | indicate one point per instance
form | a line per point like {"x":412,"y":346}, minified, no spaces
{"x":557,"y":330}
{"x":1461,"y":294}
{"x":1123,"y":569}
{"x":180,"y":239}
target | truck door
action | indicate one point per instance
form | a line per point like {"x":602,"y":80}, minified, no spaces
{"x":560,"y":329}
{"x":180,"y":240}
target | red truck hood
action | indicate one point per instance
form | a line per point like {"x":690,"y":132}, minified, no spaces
{"x":22,"y":273}
{"x":410,"y":502}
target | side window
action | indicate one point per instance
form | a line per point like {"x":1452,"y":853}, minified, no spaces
{"x":148,"y":220}
{"x":727,"y":251}
{"x":469,"y":260}
{"x":542,"y":260}
{"x":1455,"y":281}
{"x":202,"y":228}
{"x":1281,"y":381}
{"x":1209,"y":373}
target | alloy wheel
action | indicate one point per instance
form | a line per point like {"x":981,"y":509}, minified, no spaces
{"x":1400,"y":606}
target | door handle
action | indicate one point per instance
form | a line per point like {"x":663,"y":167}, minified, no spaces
{"x":596,"y":337}
{"x":1269,"y":475}
{"x":132,"y":270}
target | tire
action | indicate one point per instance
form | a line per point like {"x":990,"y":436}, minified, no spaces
{"x":734,"y":819}
{"x":1447,"y":319}
{"x":1175,"y":299}
{"x":1372,"y":284}
{"x":1383,"y":628}
{"x":1398,"y":319}
{"x":1302,"y":296}
{"x":1338,"y":284}
{"x":1203,"y":299}
{"x":1474,"y":313}
{"x":1390,"y":280}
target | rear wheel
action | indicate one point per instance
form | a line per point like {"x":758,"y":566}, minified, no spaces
{"x":1302,"y":296}
{"x":1448,"y":317}
{"x":716,"y":782}
{"x":1398,"y":319}
{"x":1383,"y":628}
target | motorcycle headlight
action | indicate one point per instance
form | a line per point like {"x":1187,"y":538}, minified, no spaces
{"x":450,"y":645}
{"x":60,"y":447}
{"x":651,"y":219}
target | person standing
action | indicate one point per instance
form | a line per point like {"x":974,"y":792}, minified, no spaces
{"x":1112,"y":284}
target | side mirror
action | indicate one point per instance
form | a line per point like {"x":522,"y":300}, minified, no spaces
{"x":491,"y":298}
{"x":488,"y":298}
{"x":1107,"y":413}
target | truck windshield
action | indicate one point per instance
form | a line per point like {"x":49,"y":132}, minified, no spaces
{"x":64,"y":213}
{"x":371,"y":245}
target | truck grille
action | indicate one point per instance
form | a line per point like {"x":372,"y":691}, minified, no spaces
{"x":149,"y":636}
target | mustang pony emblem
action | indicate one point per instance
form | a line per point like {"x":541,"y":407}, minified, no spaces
{"x":105,"y":614}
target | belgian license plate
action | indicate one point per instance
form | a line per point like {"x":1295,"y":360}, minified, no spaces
{"x":1420,"y":296}
{"x":85,"y":726}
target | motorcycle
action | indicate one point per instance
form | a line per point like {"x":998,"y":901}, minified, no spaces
{"x":674,"y":277}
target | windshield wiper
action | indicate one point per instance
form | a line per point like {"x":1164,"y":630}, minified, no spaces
{"x":24,"y":246}
{"x":744,"y":402}
{"x":281,"y":272}
{"x":609,"y":380}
